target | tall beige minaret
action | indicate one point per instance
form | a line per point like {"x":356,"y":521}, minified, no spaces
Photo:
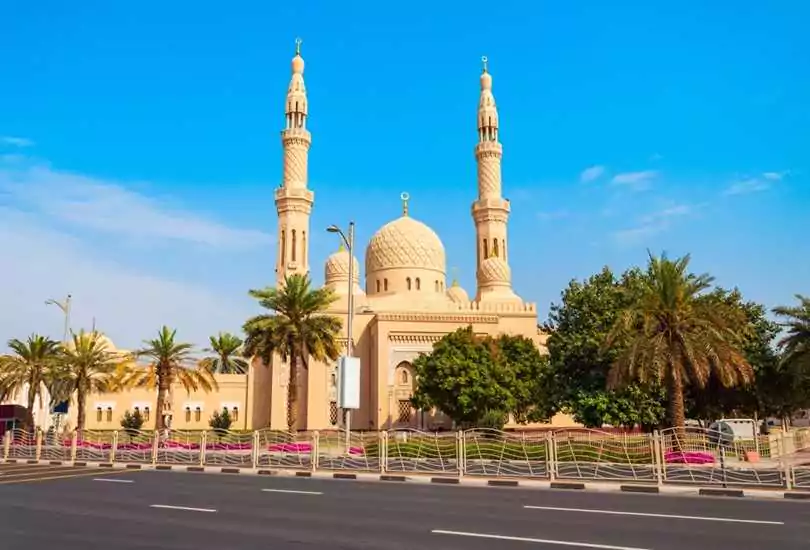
{"x":491,"y":211}
{"x":293,"y":199}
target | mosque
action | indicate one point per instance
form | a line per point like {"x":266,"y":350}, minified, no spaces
{"x":404,"y":306}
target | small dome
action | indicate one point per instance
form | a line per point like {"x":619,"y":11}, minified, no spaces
{"x":405,"y":243}
{"x":337,"y":267}
{"x":494,"y":271}
{"x":298,"y":64}
{"x":457,"y":294}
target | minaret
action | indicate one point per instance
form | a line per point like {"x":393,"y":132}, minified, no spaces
{"x":491,"y":211}
{"x":293,"y":199}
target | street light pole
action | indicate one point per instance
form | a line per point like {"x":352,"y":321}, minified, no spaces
{"x":349,"y":242}
{"x":65,"y":307}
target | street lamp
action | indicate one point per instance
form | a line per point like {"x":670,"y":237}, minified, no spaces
{"x":349,"y":242}
{"x":65,"y":307}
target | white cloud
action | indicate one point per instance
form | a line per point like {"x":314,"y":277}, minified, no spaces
{"x":637,"y":181}
{"x":592,"y":173}
{"x":748,"y":185}
{"x":110,"y":207}
{"x":53,"y":228}
{"x":654,"y":223}
{"x":16,"y":141}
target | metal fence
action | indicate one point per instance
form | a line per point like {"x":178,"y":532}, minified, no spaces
{"x":673,"y":456}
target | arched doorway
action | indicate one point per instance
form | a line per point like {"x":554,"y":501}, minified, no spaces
{"x":404,"y":415}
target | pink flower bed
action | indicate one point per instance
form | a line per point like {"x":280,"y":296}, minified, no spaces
{"x":689,"y":457}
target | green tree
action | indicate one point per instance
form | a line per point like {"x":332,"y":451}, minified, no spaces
{"x":794,"y":365}
{"x":168,"y":362}
{"x":30,"y":366}
{"x":227,"y":357}
{"x":86,"y":365}
{"x":132,"y":422}
{"x":478,"y":381}
{"x":298,"y":329}
{"x":670,"y":334}
{"x":221,"y":422}
{"x":579,"y":366}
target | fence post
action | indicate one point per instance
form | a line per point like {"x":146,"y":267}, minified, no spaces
{"x":658,"y":458}
{"x":314,"y":450}
{"x":550,"y":462}
{"x":155,"y":444}
{"x":203,"y":446}
{"x":461,"y":453}
{"x":254,"y":449}
{"x":74,"y":445}
{"x":113,"y":447}
{"x":382,"y":450}
{"x":38,"y":451}
{"x":6,"y":444}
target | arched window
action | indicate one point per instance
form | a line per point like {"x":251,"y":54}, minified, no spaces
{"x":188,"y":414}
{"x":235,"y":414}
{"x":146,"y":414}
{"x":334,"y":379}
{"x":486,"y":249}
{"x":436,"y":285}
{"x":293,"y":245}
{"x":408,"y":282}
{"x":385,"y":284}
{"x":197,"y":414}
{"x":98,"y":414}
{"x":418,"y":284}
{"x":109,"y":414}
{"x":495,"y":247}
{"x":378,"y":285}
{"x":283,"y":246}
{"x":404,"y":376}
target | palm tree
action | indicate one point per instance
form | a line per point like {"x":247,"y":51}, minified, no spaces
{"x":795,"y":345}
{"x":86,"y":365}
{"x":674,"y":334}
{"x":168,"y":361}
{"x":227,"y":358}
{"x":297,"y":329}
{"x":31,"y":365}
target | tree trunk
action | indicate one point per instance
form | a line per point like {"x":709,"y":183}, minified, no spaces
{"x":676,"y":407}
{"x":292,"y":396}
{"x":163,"y":390}
{"x":81,"y":400}
{"x":33,"y":386}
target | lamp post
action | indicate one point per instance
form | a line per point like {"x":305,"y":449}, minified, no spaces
{"x":65,"y":307}
{"x":349,"y":242}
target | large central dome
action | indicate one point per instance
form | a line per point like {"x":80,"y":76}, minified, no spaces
{"x":405,"y":243}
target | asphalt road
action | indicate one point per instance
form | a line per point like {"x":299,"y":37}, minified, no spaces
{"x":130,"y":510}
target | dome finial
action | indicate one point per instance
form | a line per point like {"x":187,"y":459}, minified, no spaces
{"x":485,"y":63}
{"x":405,"y":197}
{"x":455,"y":277}
{"x":298,"y":42}
{"x":341,"y":246}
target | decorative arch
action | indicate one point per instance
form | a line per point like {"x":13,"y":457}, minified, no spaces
{"x":404,"y":384}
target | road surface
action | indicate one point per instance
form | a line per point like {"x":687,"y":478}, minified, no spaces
{"x":136,"y":510}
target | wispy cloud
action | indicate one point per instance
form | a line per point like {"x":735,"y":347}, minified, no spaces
{"x":637,"y":181}
{"x":110,"y":207}
{"x":592,"y":173}
{"x":553,"y":215}
{"x":56,"y":227}
{"x":16,"y":141}
{"x":655,"y":157}
{"x":763,"y":182}
{"x":653,"y":223}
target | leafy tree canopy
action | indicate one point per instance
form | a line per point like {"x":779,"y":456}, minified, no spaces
{"x":471,"y":378}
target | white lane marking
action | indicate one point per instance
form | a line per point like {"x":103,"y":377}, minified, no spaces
{"x":292,"y":492}
{"x":649,"y":515}
{"x":537,"y":541}
{"x":187,"y":509}
{"x":110,"y":480}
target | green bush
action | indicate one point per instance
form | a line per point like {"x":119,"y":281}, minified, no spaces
{"x":132,"y":422}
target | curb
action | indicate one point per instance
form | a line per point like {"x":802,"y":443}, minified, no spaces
{"x":425,"y":478}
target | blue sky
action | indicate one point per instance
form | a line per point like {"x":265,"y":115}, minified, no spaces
{"x":140,"y":145}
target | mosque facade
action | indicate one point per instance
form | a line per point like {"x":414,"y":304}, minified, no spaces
{"x":403,"y":305}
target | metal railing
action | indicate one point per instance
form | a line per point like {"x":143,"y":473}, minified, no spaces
{"x":672,"y":456}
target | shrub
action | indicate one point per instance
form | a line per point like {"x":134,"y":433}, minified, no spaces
{"x":132,"y":422}
{"x":220,"y":422}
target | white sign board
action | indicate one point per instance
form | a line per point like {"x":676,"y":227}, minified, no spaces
{"x":349,"y":382}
